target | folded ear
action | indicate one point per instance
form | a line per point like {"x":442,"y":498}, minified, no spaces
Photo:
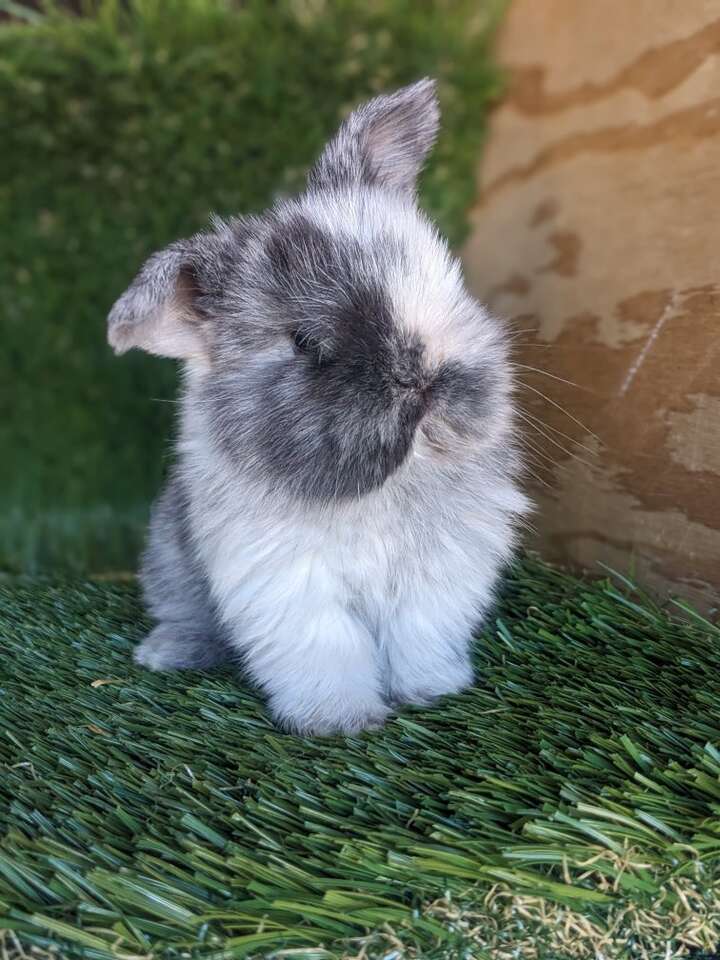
{"x":158,"y":312}
{"x":384,"y":142}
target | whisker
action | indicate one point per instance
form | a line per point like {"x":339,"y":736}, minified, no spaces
{"x":545,"y":373}
{"x":536,"y":451}
{"x":552,"y":440}
{"x":566,"y":436}
{"x":534,"y":343}
{"x":563,"y":410}
{"x":536,"y":477}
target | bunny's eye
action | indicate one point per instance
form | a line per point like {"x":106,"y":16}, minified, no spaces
{"x":301,"y":342}
{"x":306,"y":345}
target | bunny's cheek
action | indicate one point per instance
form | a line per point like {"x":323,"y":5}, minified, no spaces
{"x":438,"y":440}
{"x":429,"y":443}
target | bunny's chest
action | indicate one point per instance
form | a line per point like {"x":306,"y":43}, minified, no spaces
{"x":367,"y":564}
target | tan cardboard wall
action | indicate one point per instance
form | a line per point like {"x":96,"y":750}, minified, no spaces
{"x":597,"y":228}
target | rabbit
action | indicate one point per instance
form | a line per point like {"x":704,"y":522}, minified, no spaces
{"x":345,"y":492}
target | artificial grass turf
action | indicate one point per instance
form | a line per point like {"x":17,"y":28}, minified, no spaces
{"x":124,"y":129}
{"x":566,"y":806}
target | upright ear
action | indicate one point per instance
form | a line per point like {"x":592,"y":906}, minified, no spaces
{"x":158,"y":311}
{"x":384,"y":142}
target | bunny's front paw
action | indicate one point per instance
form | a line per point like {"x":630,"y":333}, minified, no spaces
{"x":343,"y":714}
{"x":423,"y":689}
{"x":176,"y":647}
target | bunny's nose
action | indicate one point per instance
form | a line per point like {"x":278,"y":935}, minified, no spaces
{"x":408,"y":372}
{"x":413,"y":390}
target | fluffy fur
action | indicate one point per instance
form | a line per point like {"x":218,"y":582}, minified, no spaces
{"x":344,"y":495}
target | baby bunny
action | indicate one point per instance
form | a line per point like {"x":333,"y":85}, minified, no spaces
{"x":344,"y":496}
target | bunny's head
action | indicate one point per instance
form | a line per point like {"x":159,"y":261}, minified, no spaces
{"x":331,"y":339}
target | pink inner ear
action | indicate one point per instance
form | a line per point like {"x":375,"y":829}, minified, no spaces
{"x":159,"y":317}
{"x":169,"y":331}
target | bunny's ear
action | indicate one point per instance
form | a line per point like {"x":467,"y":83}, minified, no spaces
{"x":158,"y":312}
{"x":383,"y":142}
